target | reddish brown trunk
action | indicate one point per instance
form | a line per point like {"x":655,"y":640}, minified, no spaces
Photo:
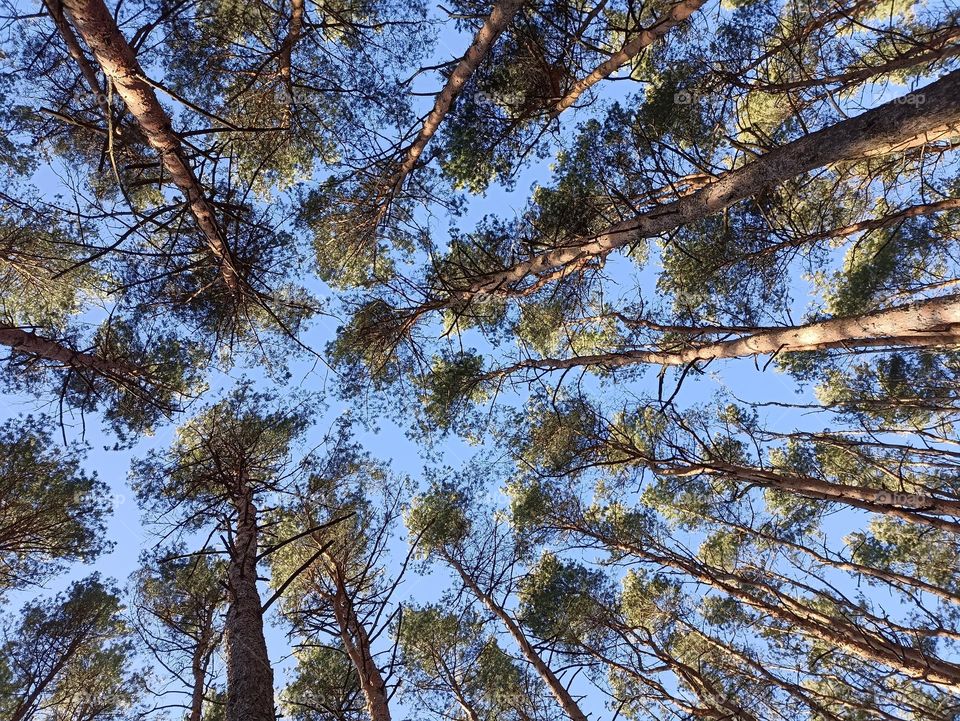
{"x":23,"y":341}
{"x":98,"y":29}
{"x":646,"y":37}
{"x":294,"y":30}
{"x":498,"y":20}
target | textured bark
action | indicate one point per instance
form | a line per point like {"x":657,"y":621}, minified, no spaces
{"x":559,"y":691}
{"x":23,"y":341}
{"x":933,"y":323}
{"x":98,"y":29}
{"x":356,"y":641}
{"x":498,"y":20}
{"x":294,"y":31}
{"x":643,"y":39}
{"x":249,"y":674}
{"x":929,"y":115}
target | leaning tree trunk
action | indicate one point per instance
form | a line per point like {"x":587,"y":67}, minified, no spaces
{"x":356,"y":642}
{"x":910,"y":661}
{"x":249,"y":674}
{"x":918,"y":508}
{"x":99,"y":30}
{"x":499,"y":19}
{"x":932,"y":323}
{"x":930,"y":114}
{"x":559,"y":691}
{"x":31,"y":344}
{"x":633,"y":47}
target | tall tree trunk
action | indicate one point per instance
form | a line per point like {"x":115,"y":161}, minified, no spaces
{"x":198,"y":669}
{"x":932,"y":113}
{"x":249,"y":674}
{"x":199,"y":678}
{"x":931,"y":323}
{"x":99,"y":30}
{"x":294,"y":31}
{"x":643,"y":39}
{"x":498,"y":21}
{"x":559,"y":691}
{"x":356,"y":641}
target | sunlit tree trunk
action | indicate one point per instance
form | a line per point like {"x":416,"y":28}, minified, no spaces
{"x":932,"y":323}
{"x":643,"y":39}
{"x":499,"y":20}
{"x":930,"y":114}
{"x":96,"y":26}
{"x":356,"y":642}
{"x":28,"y":343}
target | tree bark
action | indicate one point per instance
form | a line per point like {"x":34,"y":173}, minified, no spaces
{"x":199,"y":683}
{"x":28,"y":343}
{"x":356,"y":641}
{"x":249,"y":674}
{"x":198,"y":668}
{"x":98,"y":29}
{"x":931,"y":323}
{"x":294,"y":31}
{"x":643,"y":39}
{"x":559,"y":691}
{"x":498,"y":20}
{"x":875,"y":500}
{"x":928,"y":115}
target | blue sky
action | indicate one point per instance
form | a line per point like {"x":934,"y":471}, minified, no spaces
{"x":390,"y":443}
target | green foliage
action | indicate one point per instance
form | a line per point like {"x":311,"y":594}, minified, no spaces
{"x":437,"y":519}
{"x":69,"y":658}
{"x":241,"y":443}
{"x":325,"y":686}
{"x":51,"y":511}
{"x":453,"y":382}
{"x":648,"y":603}
{"x":449,"y":651}
{"x":564,"y":602}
